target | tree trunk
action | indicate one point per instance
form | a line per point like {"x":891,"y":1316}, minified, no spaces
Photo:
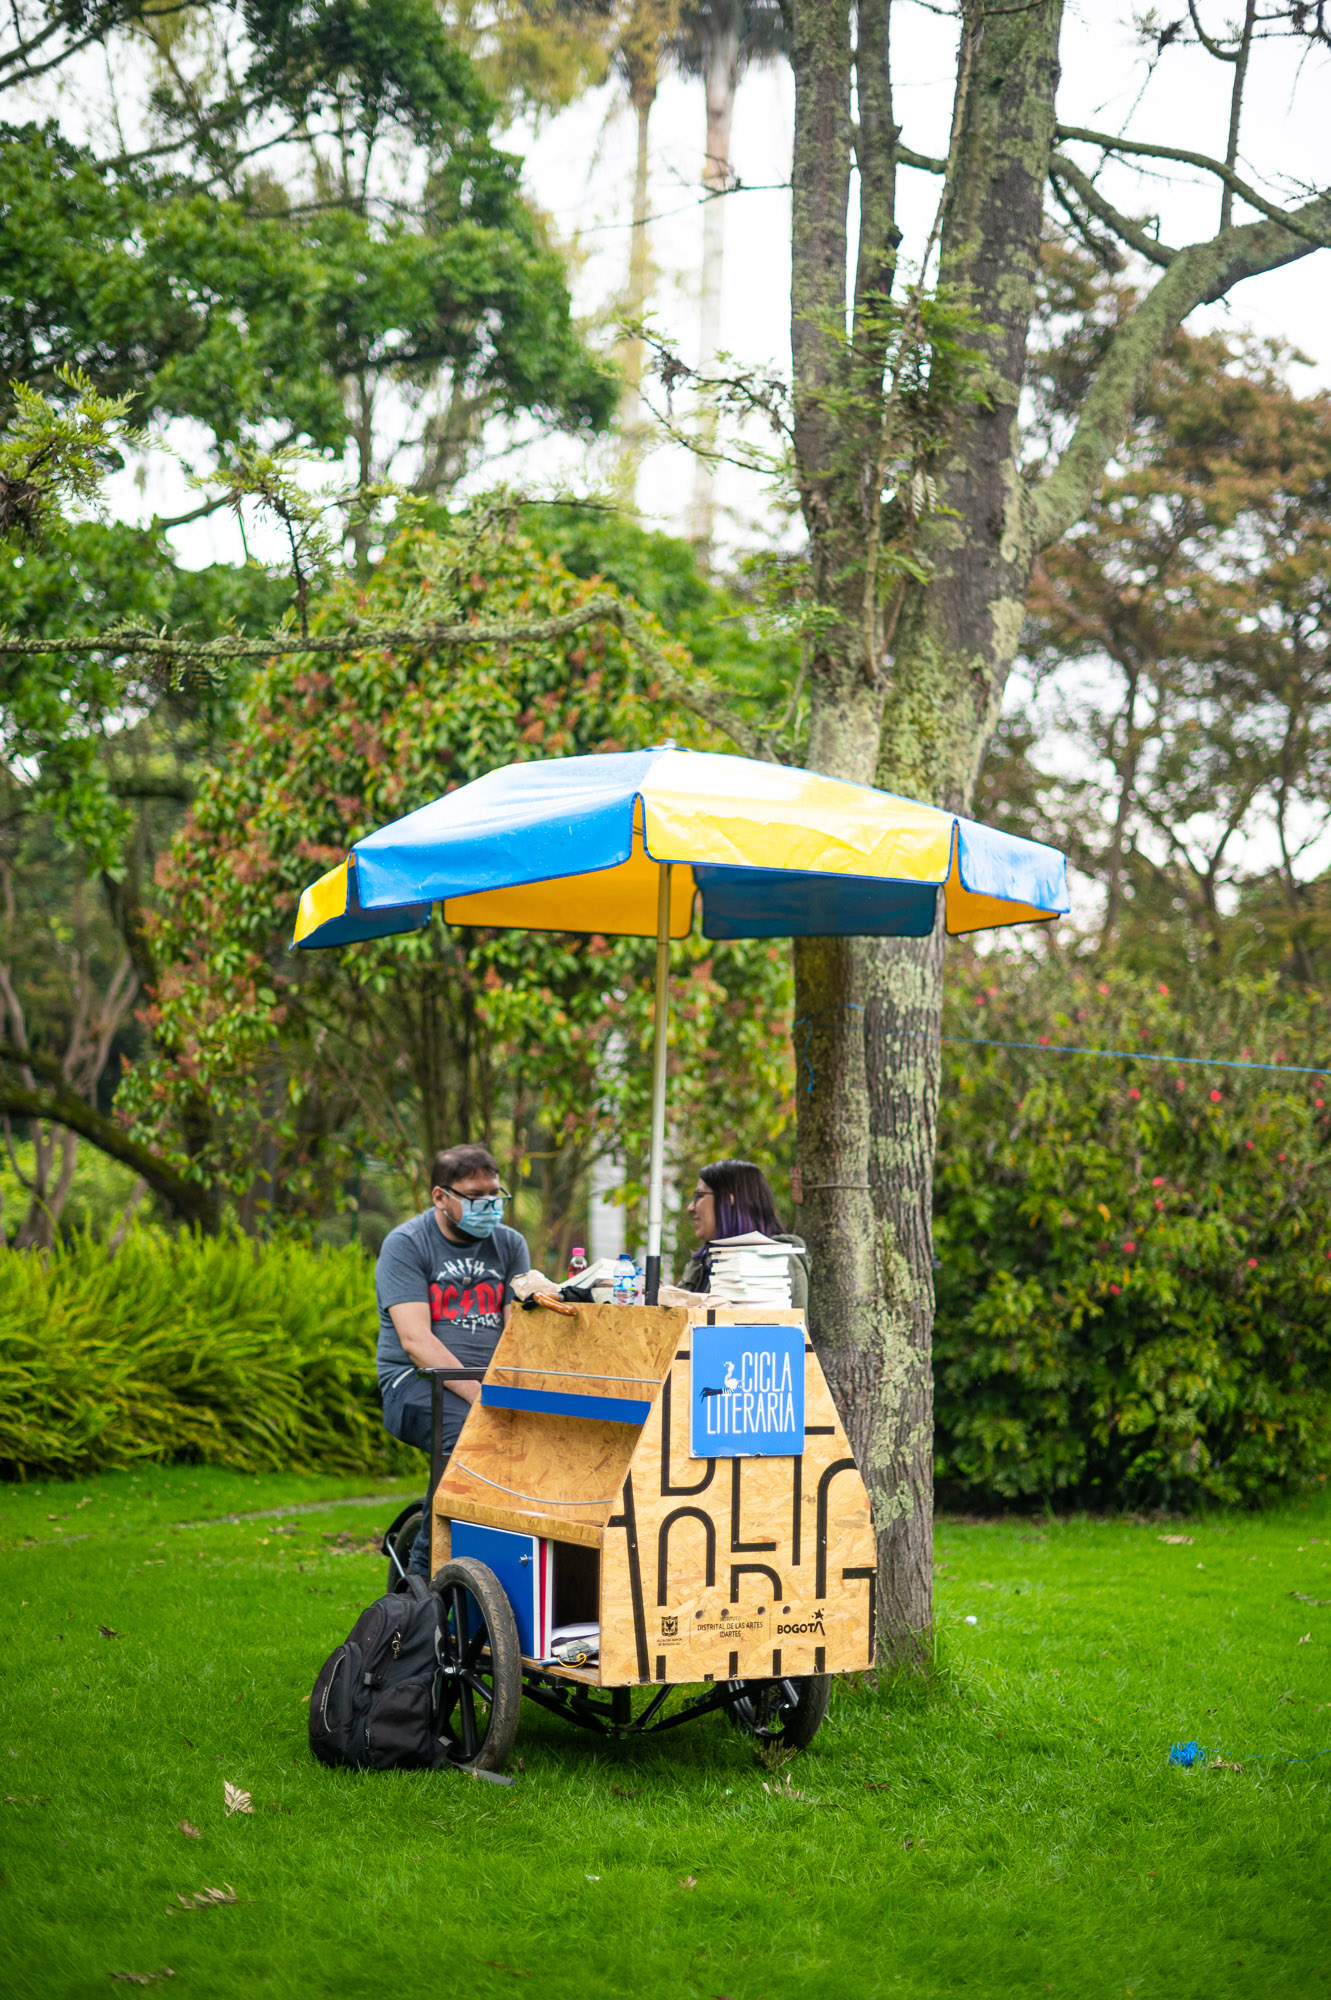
{"x":643,"y":76}
{"x":958,"y":638}
{"x":1127,"y":792}
{"x":720,"y":80}
{"x":869,"y":1009}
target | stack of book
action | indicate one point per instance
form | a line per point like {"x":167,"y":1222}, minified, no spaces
{"x":751,"y":1270}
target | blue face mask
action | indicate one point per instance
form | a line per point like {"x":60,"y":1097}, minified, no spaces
{"x":481,"y":1214}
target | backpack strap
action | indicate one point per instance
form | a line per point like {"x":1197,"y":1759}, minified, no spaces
{"x":417,"y":1586}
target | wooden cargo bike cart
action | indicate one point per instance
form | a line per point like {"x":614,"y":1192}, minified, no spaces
{"x":666,"y":1496}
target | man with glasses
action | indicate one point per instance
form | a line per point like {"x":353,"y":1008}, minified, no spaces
{"x":443,"y":1287}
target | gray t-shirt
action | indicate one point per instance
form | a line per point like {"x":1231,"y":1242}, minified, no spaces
{"x":465,"y":1285}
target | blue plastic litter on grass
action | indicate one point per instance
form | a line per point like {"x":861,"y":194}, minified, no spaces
{"x":1191,"y":1753}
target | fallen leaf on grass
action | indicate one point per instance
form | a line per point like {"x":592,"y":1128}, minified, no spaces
{"x":236,"y":1800}
{"x":876,"y":1785}
{"x":1224,"y":1764}
{"x":691,"y":1881}
{"x":620,"y":1792}
{"x":518,"y":1971}
{"x":143,"y":1978}
{"x":781,"y":1788}
{"x":108,"y":1632}
{"x":34,"y":1799}
{"x":1306,"y":1640}
{"x":1303,"y":1598}
{"x":1184,"y":1541}
{"x":206,"y":1899}
{"x":190,"y":1832}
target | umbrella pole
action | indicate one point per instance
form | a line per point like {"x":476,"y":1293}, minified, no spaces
{"x":656,"y":1173}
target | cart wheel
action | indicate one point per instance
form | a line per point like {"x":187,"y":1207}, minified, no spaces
{"x":397,"y":1542}
{"x":482,"y":1666}
{"x":786,"y":1712}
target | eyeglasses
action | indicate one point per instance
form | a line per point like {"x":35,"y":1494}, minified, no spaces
{"x":699,"y":1194}
{"x":490,"y":1194}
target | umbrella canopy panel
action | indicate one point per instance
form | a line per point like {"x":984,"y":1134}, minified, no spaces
{"x":575,"y":844}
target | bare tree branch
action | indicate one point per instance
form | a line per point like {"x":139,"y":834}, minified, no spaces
{"x":1197,"y":276}
{"x":60,"y":1105}
{"x":1320,"y":236}
{"x":206,"y":655}
{"x":1128,"y":232}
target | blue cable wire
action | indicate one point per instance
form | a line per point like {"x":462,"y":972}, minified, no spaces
{"x":1066,"y":1049}
{"x":1139,"y":1055}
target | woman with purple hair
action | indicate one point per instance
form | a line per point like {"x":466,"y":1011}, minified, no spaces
{"x":732,"y":1198}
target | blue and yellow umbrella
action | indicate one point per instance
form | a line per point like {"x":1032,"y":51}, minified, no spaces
{"x":624,"y":844}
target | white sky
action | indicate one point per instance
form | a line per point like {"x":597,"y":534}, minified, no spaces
{"x":579,"y":169}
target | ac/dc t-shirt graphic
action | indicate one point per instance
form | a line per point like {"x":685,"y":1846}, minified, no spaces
{"x":465,"y":1285}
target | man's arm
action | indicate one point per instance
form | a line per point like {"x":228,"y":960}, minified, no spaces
{"x":412,"y":1324}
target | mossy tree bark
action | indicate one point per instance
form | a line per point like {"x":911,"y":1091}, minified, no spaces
{"x":906,"y":682}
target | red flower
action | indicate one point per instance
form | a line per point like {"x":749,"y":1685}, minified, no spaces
{"x":1319,"y":1103}
{"x":1134,"y":1093}
{"x":1280,"y":1156}
{"x":1252,"y":1263}
{"x":1215,"y":1097}
{"x":1248,"y":1144}
{"x":1159,"y":1181}
{"x":1164,"y":990}
{"x":1129,"y":1247}
{"x":1115,"y":1289}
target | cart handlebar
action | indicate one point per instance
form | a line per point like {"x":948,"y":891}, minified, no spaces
{"x":437,"y":1378}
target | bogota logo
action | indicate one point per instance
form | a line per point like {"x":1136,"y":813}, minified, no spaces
{"x":814,"y":1624}
{"x":669,"y":1628}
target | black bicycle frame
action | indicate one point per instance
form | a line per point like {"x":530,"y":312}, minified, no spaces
{"x":438,"y":1377}
{"x":572,"y":1700}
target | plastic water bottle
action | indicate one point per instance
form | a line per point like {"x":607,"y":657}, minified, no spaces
{"x":577,"y":1263}
{"x":626,"y":1280}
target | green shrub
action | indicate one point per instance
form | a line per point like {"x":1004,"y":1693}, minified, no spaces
{"x":217,"y":1350}
{"x":1134,"y":1293}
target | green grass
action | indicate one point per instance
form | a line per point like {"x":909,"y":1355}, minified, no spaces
{"x":1012,"y":1828}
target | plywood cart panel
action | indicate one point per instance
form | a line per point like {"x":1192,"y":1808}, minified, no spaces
{"x":732,"y":1568}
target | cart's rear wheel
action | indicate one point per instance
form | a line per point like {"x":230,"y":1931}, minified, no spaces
{"x":397,"y":1544}
{"x":482,"y":1665}
{"x":786,"y":1713}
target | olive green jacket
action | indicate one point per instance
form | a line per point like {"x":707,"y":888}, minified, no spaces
{"x":695,"y":1276}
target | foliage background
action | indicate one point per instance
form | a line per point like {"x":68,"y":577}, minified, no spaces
{"x":275,"y":1076}
{"x":215,"y":1350}
{"x":1134,"y":1281}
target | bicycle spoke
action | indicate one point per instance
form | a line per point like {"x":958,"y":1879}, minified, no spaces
{"x":467,"y":1711}
{"x":459,"y":1597}
{"x":475,"y":1647}
{"x":481,"y":1687}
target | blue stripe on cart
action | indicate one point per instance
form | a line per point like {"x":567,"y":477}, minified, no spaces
{"x":564,"y":1403}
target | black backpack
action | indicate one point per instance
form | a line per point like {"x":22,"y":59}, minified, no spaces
{"x":376,"y":1700}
